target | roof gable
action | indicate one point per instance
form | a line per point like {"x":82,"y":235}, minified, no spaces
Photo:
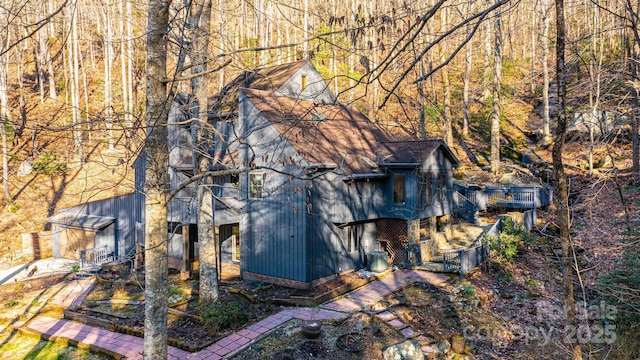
{"x":269,"y":79}
{"x":416,"y":151}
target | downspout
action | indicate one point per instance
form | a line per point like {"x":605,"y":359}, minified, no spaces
{"x":310,"y":257}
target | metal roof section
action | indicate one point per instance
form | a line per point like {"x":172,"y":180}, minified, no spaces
{"x":81,"y":221}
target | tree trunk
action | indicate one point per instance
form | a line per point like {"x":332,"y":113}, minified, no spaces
{"x":533,"y":48}
{"x":123,"y":61}
{"x":305,"y":30}
{"x":72,"y":47}
{"x":465,"y":90}
{"x":633,"y":15}
{"x":497,"y":79}
{"x":108,"y":57}
{"x":546,"y":116}
{"x":45,"y":48}
{"x":561,"y":199}
{"x":156,"y":232}
{"x":448,"y":127}
{"x":4,"y":121}
{"x":129,"y":110}
{"x":486,"y":70}
{"x":208,"y":292}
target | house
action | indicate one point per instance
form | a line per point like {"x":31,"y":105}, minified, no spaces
{"x":311,"y":186}
{"x":327,"y":187}
{"x":306,"y":188}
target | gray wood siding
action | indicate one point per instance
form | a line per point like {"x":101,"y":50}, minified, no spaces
{"x":274,"y":234}
{"x":122,"y":208}
{"x":316,"y":90}
{"x":328,"y":251}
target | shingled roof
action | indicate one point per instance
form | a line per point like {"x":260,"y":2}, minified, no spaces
{"x":337,"y":134}
{"x":268,"y":78}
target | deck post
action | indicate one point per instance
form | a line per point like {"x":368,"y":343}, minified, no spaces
{"x":185,"y":272}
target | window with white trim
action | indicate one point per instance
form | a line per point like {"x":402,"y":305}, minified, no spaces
{"x":353,"y":238}
{"x":256,"y":184}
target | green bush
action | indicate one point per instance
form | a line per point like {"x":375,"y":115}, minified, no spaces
{"x":468,"y":291}
{"x":48,"y":164}
{"x":504,"y":246}
{"x":218,"y":316}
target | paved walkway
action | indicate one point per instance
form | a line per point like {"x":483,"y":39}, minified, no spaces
{"x":368,"y":295}
{"x":128,"y":346}
{"x":74,"y":292}
{"x":36,"y":269}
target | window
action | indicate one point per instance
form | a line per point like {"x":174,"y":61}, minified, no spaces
{"x":303,"y":82}
{"x":256,"y":182}
{"x":235,"y":243}
{"x":352,"y":238}
{"x":398,"y":189}
{"x":426,"y":188}
{"x":442,"y":186}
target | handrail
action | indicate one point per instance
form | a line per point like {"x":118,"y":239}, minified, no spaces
{"x":95,"y":257}
{"x":122,"y":250}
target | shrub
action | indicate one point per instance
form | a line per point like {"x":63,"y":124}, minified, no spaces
{"x":218,"y":316}
{"x":48,"y":164}
{"x":504,"y":246}
{"x":468,"y":291}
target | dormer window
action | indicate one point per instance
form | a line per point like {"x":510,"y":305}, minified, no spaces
{"x":303,"y":82}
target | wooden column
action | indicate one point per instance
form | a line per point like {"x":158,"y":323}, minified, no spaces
{"x":185,"y":272}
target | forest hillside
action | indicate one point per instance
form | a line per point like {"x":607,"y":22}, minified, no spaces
{"x":72,"y":95}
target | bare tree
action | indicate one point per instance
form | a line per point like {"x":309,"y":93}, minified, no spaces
{"x":497,"y":82}
{"x":4,"y":106}
{"x":156,"y":156}
{"x":633,"y":22}
{"x":446,"y":111}
{"x":108,"y":58}
{"x":546,"y":116}
{"x":73,"y":66}
{"x":208,"y":290}
{"x":562,"y":198}
{"x":468,"y":61}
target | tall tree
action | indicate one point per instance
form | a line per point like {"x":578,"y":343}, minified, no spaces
{"x":545,"y":10}
{"x":468,"y":61}
{"x":108,"y":58}
{"x":157,"y":162}
{"x":633,"y":15}
{"x":208,"y":291}
{"x":446,"y":86}
{"x":497,"y":83}
{"x":73,"y":66}
{"x":562,"y":198}
{"x":4,"y":105}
